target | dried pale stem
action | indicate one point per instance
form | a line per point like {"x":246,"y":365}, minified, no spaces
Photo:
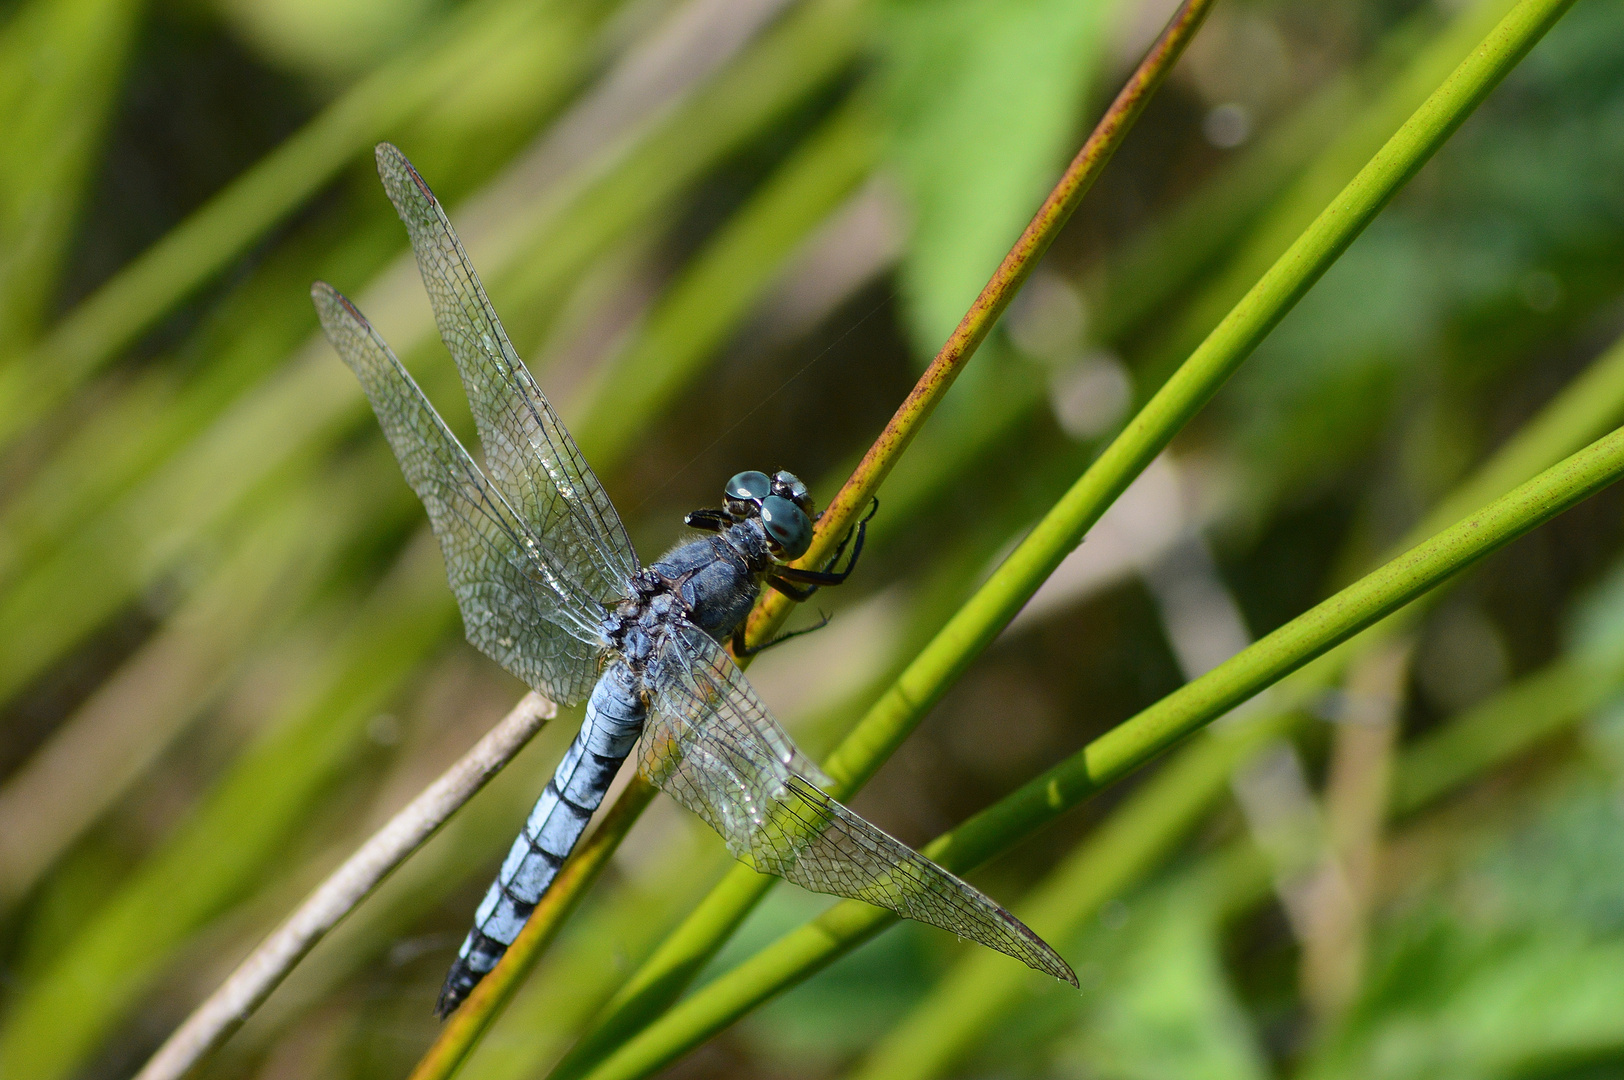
{"x":1357,"y":794}
{"x":265,"y":968}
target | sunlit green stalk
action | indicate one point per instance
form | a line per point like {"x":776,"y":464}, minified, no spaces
{"x":1139,"y":835}
{"x":922,"y":684}
{"x":1128,"y":746}
{"x":1329,"y":171}
{"x":1242,"y":218}
{"x":962,"y":1006}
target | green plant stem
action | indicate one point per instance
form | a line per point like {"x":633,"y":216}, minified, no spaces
{"x":1107,"y":759}
{"x":979,"y":621}
{"x":1264,"y":196}
{"x":964,"y":1004}
{"x":687,"y":949}
{"x":1137,"y":837}
{"x":1355,"y":142}
{"x":1242,"y":219}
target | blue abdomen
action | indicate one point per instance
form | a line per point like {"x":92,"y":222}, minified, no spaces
{"x":614,"y":720}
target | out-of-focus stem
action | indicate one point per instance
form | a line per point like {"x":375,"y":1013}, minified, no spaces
{"x":1357,"y":794}
{"x":265,"y":968}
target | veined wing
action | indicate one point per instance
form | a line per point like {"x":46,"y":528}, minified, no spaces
{"x":706,"y":745}
{"x":516,"y":608}
{"x":531,"y":457}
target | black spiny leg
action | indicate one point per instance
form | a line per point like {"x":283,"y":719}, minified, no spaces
{"x":741,"y":650}
{"x":785,"y":578}
{"x":708,"y":520}
{"x":794,"y":592}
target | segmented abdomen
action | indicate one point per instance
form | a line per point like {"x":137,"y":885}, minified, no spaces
{"x":614,"y":720}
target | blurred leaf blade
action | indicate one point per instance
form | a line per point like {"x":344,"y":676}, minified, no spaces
{"x":203,"y":245}
{"x":61,"y":67}
{"x":251,"y":814}
{"x":1005,"y":78}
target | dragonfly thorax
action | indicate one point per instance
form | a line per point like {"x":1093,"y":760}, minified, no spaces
{"x":714,"y":579}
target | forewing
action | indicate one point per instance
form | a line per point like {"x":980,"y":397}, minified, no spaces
{"x":705,"y":748}
{"x":531,"y":457}
{"x":515,"y":607}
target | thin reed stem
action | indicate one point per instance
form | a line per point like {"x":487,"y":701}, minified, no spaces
{"x":264,"y":969}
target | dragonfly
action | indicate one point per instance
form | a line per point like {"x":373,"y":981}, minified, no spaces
{"x":549,"y":587}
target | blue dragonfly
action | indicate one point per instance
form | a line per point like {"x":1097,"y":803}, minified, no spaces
{"x":550,"y":588}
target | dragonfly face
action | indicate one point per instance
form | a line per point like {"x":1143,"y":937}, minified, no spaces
{"x":782,"y":504}
{"x":550,"y":588}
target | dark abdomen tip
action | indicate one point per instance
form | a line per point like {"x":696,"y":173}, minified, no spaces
{"x":459,"y":982}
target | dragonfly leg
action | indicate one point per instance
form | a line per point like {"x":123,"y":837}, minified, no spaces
{"x":794,"y":592}
{"x":708,"y":520}
{"x":741,"y":650}
{"x":781,"y":576}
{"x":861,"y":529}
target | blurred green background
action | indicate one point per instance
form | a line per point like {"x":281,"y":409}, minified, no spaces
{"x":727,"y":234}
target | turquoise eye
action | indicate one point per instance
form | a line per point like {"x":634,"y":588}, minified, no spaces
{"x":786,"y":526}
{"x":749,"y":486}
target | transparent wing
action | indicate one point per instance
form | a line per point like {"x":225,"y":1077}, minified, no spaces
{"x":531,"y":458}
{"x":711,"y":745}
{"x":515,"y":607}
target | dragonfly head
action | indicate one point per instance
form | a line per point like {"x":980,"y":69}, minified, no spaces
{"x":782,"y":503}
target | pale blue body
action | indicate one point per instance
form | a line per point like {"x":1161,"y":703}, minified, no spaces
{"x":710,"y":582}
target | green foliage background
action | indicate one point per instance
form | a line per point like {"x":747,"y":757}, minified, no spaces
{"x":728,"y":234}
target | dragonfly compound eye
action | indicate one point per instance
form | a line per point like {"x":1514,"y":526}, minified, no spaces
{"x":744,"y":493}
{"x":749,"y":486}
{"x":787,"y":526}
